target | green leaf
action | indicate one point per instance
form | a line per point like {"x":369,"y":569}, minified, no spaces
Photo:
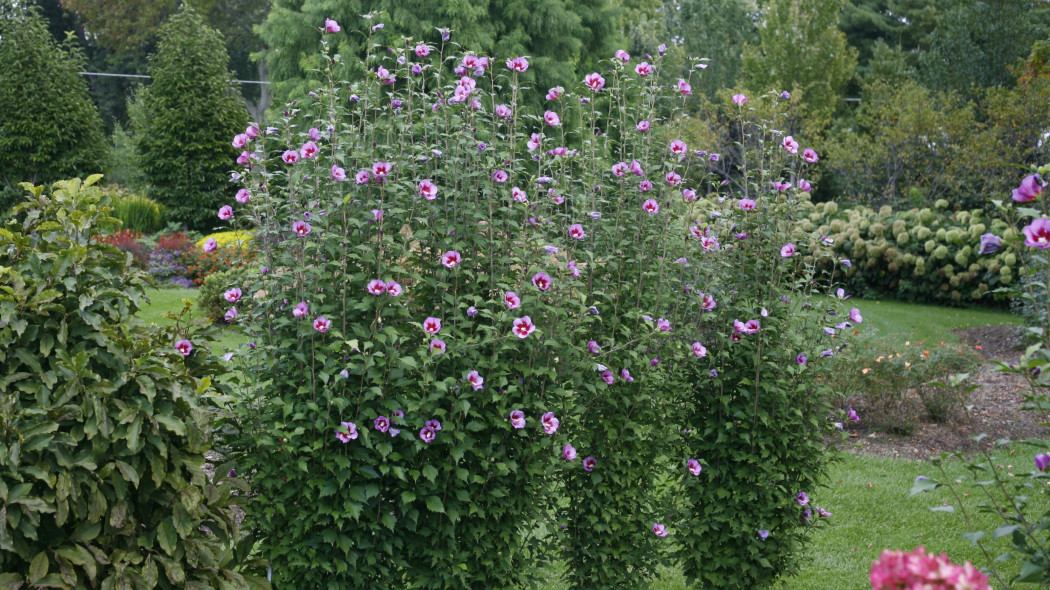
{"x":973,"y":537}
{"x":430,"y":472}
{"x":922,"y":485}
{"x":166,"y":536}
{"x":1031,"y":573}
{"x":948,"y":508}
{"x":434,"y":504}
{"x":38,"y":567}
{"x":1004,"y":530}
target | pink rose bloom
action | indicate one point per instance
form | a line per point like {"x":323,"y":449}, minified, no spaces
{"x":673,"y":179}
{"x":642,"y":126}
{"x":551,"y":118}
{"x":1037,"y":234}
{"x":422,"y":50}
{"x":451,"y":259}
{"x":321,"y":324}
{"x":503,"y":111}
{"x":301,"y":309}
{"x":346,"y":432}
{"x":739,"y":99}
{"x":694,"y":467}
{"x":650,"y":206}
{"x":790,"y":145}
{"x":1031,"y":187}
{"x":225,"y":212}
{"x":746,"y":204}
{"x":251,"y":132}
{"x":476,"y":381}
{"x":590,"y":463}
{"x":684,"y":87}
{"x":432,"y":325}
{"x":550,"y":423}
{"x":707,"y":302}
{"x":427,"y":189}
{"x":659,"y":530}
{"x":569,"y":452}
{"x":519,"y":195}
{"x":576,"y":231}
{"x":518,"y":64}
{"x":438,"y":346}
{"x":232,"y":295}
{"x":290,"y":156}
{"x":523,"y":326}
{"x":330,"y":26}
{"x":301,"y":228}
{"x":243,"y":196}
{"x":643,"y":69}
{"x":534,"y":142}
{"x":636,"y":168}
{"x":393,"y":288}
{"x":622,"y":55}
{"x":517,"y":419}
{"x":427,"y":434}
{"x":678,"y":147}
{"x":854,"y":316}
{"x":240,"y":140}
{"x":541,"y":281}
{"x":619,"y":169}
{"x":231,"y":314}
{"x":511,"y":300}
{"x":376,"y":287}
{"x":362,"y":177}
{"x":594,"y":81}
{"x":810,"y":155}
{"x":338,"y":173}
{"x":787,"y":251}
{"x":699,"y":350}
{"x":380,"y":169}
{"x":185,"y":347}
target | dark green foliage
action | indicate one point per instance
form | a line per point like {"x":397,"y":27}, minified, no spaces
{"x":713,"y":29}
{"x":563,"y":39}
{"x":137,"y":213}
{"x":49,"y":128}
{"x":104,"y":423}
{"x":977,"y":43}
{"x":802,"y":49}
{"x":210,"y":301}
{"x":191,"y":116}
{"x":906,"y":24}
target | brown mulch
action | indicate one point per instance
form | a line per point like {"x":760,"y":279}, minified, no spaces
{"x":996,"y":408}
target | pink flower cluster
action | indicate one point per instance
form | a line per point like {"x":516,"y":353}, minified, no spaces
{"x":897,"y":570}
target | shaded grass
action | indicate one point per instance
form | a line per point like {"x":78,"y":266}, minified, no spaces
{"x":161,"y":301}
{"x":898,"y":320}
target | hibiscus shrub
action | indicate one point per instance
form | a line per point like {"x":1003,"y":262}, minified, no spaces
{"x":104,"y":422}
{"x":484,"y":340}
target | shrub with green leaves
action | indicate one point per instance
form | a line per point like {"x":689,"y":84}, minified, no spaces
{"x":104,"y":421}
{"x":486,"y":340}
{"x":932,"y":254}
{"x":137,"y":213}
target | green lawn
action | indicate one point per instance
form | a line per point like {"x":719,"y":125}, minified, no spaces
{"x":897,"y":320}
{"x":164,"y":300}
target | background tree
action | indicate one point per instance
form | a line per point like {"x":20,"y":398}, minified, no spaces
{"x":802,"y":49}
{"x":49,"y":128}
{"x":562,"y":38}
{"x":717,"y":30}
{"x":898,"y":23}
{"x":976,"y":43}
{"x":191,"y":116}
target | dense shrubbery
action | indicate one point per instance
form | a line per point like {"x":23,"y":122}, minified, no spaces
{"x":137,"y":213}
{"x":931,"y":254}
{"x":485,"y":340}
{"x":104,"y":421}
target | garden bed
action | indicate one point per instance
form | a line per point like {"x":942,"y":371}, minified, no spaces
{"x":997,"y":403}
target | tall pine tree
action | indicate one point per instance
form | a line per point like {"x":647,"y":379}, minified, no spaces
{"x":191,"y":115}
{"x":49,"y":128}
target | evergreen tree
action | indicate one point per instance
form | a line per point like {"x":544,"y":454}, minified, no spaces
{"x":561,"y":37}
{"x":717,"y":30}
{"x":191,"y":115}
{"x":801,"y":48}
{"x":49,"y":128}
{"x":976,"y":43}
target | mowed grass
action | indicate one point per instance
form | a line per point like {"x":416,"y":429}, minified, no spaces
{"x":163,"y":301}
{"x":915,"y":322}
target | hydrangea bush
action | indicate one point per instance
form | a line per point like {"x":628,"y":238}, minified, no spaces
{"x":485,"y":339}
